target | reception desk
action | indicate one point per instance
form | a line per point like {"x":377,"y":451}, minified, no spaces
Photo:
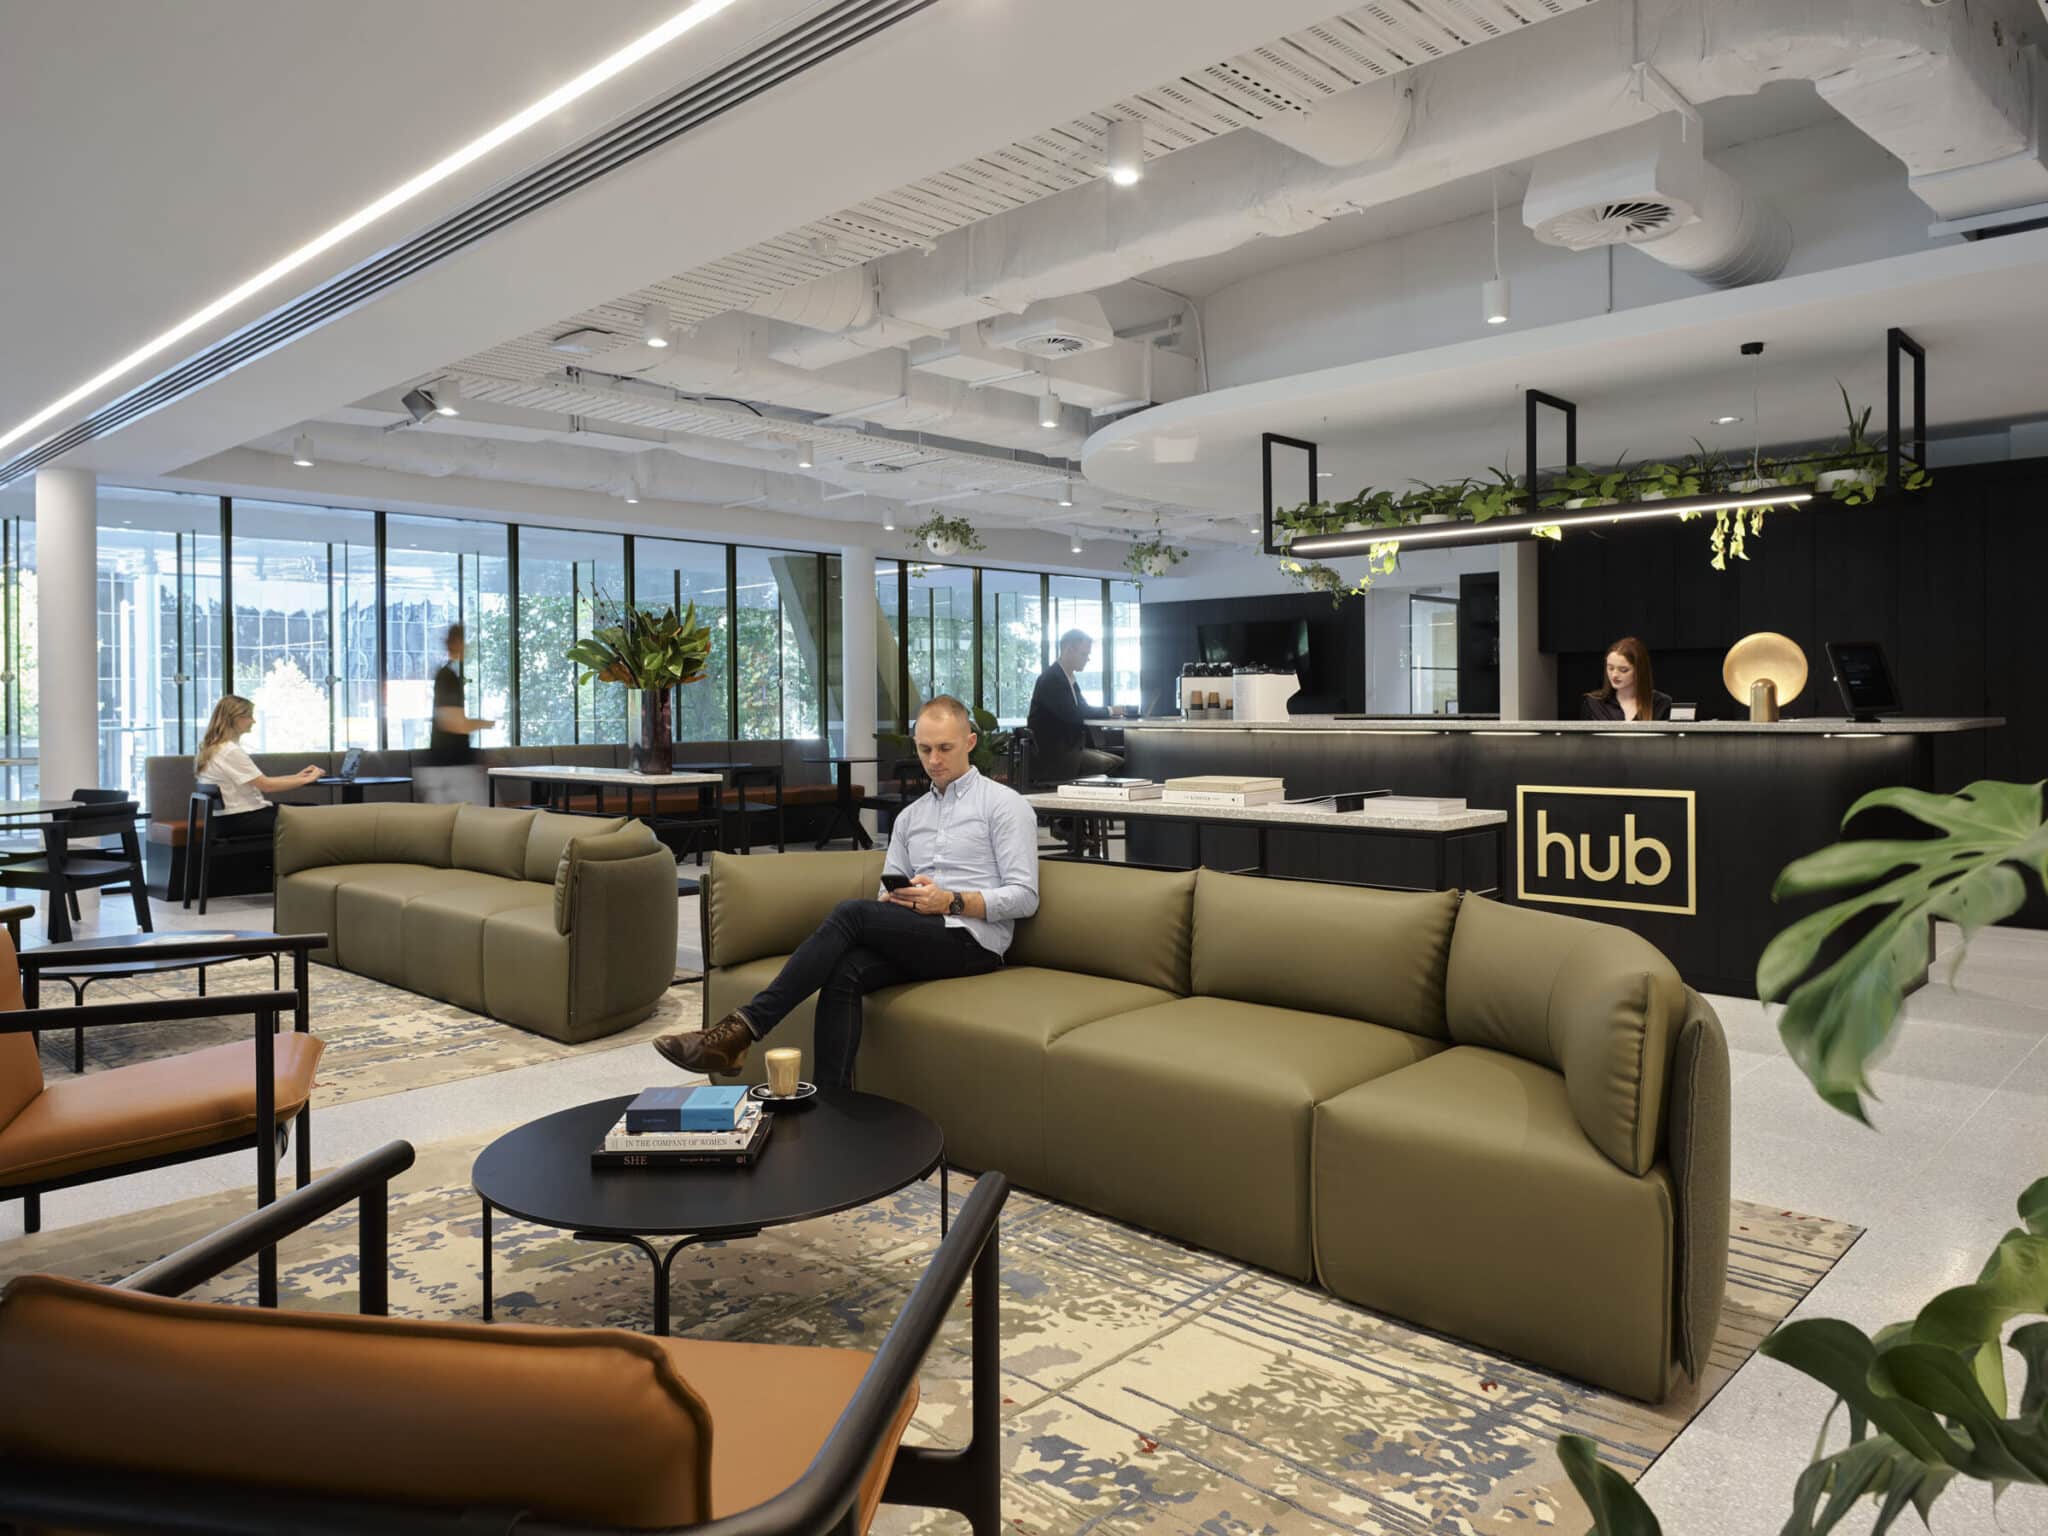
{"x":1674,"y":829}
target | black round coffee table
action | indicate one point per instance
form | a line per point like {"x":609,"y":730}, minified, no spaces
{"x":143,"y":963}
{"x":846,"y":1149}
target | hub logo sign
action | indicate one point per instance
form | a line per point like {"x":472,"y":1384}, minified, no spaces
{"x":1606,"y":847}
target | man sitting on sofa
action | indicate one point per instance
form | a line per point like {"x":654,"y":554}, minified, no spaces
{"x":969,"y":850}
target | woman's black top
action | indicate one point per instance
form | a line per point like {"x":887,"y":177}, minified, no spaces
{"x":1597,"y":708}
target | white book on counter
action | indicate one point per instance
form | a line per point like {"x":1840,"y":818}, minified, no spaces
{"x":619,"y":1139}
{"x":1223,"y":798}
{"x":1103,"y":787}
{"x":1417,"y":805}
{"x":1221,"y":784}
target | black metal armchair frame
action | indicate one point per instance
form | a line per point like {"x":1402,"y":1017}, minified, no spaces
{"x":823,"y":1502}
{"x":264,"y":1007}
{"x":209,"y":834}
{"x":62,"y":871}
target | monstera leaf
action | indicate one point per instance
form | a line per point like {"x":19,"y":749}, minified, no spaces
{"x":1835,"y":1021}
{"x":1926,"y":1400}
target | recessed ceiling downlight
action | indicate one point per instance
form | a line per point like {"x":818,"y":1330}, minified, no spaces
{"x":684,"y":20}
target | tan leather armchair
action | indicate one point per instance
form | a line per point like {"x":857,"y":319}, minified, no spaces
{"x":151,"y":1114}
{"x":428,"y":1427}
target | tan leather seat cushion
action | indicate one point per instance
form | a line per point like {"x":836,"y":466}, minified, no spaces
{"x":1462,"y":1194}
{"x":584,"y":1425}
{"x":772,"y":1407}
{"x":152,"y":1108}
{"x":1193,"y":1117}
{"x":970,"y":1052}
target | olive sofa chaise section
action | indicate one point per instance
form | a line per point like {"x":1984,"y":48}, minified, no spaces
{"x":564,"y":925}
{"x":1498,"y":1123}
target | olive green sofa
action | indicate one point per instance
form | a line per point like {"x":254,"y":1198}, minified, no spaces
{"x":564,"y":925}
{"x":1495,"y":1122}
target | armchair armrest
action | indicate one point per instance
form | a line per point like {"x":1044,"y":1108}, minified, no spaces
{"x":156,"y":1010}
{"x":85,"y":952}
{"x":365,"y":1180}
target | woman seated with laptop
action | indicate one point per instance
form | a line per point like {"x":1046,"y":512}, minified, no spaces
{"x":226,"y":764}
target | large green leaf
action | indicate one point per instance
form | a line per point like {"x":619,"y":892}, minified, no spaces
{"x":1879,"y":1468}
{"x":1618,"y":1510}
{"x":1836,"y":1021}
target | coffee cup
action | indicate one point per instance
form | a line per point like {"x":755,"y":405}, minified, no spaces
{"x":784,"y":1064}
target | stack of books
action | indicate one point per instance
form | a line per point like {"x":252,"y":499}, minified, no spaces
{"x":1104,"y":786}
{"x":1224,"y":790}
{"x":700,"y":1126}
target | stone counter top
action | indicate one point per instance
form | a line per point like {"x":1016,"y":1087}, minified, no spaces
{"x":1392,"y":813}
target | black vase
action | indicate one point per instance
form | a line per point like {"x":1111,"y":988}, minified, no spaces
{"x":650,"y":729}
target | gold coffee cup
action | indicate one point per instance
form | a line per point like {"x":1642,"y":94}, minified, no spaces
{"x":783,"y":1066}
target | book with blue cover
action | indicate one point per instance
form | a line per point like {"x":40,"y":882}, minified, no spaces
{"x":697,"y":1107}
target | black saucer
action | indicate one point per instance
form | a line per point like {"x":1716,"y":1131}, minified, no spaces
{"x":805,"y":1095}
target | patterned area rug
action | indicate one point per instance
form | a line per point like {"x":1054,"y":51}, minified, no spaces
{"x":380,"y":1039}
{"x":1147,"y":1387}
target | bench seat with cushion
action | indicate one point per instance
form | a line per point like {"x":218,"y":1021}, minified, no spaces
{"x":1495,"y":1122}
{"x":564,"y":925}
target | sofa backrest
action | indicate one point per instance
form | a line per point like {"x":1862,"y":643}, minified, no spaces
{"x":1128,"y":924}
{"x":550,"y":833}
{"x":578,"y":1425}
{"x":491,"y":841}
{"x":1379,"y":956}
{"x":390,"y":832}
{"x":760,"y":904}
{"x":1597,"y":1003}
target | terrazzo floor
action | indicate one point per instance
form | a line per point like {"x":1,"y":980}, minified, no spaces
{"x":1962,"y":1127}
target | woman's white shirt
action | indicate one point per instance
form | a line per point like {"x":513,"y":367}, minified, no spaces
{"x":236,"y":773}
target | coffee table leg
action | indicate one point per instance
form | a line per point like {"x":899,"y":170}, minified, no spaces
{"x":487,"y":1261}
{"x":945,"y":1200}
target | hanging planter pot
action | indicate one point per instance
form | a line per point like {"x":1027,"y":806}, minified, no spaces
{"x":1831,"y":481}
{"x":946,"y":536}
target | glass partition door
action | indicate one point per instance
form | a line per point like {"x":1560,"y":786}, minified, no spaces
{"x":1077,"y":604}
{"x":566,"y":581}
{"x":780,"y":612}
{"x":305,"y":584}
{"x":939,"y":629}
{"x":1012,"y":642}
{"x":1126,"y":629}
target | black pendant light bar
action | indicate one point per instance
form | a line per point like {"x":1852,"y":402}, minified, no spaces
{"x":1268,"y":441}
{"x":1897,"y":345}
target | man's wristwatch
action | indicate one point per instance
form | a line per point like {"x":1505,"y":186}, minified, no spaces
{"x":957,"y":905}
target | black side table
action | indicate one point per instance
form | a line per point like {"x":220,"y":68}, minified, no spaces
{"x":843,"y":808}
{"x":144,"y":963}
{"x":845,"y":1150}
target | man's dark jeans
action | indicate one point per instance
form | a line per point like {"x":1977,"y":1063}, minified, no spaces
{"x":863,"y":945}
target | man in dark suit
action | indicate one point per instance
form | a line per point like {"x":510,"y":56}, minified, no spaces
{"x":1058,"y":715}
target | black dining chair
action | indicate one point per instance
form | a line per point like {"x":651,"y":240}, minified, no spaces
{"x":759,"y":776}
{"x":210,"y":835}
{"x":104,"y":821}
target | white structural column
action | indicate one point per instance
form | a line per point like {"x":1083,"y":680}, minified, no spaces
{"x":67,"y":516}
{"x":857,"y":657}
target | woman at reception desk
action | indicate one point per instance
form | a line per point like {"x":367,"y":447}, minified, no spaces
{"x":1629,"y":684}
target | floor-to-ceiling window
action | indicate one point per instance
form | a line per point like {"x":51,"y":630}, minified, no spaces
{"x":305,"y":596}
{"x":675,"y":571}
{"x":1077,"y":604}
{"x":158,"y":626}
{"x":1126,"y":612}
{"x":1012,"y":642}
{"x":892,"y":711}
{"x":938,"y":627}
{"x":569,"y":585}
{"x":440,"y":571}
{"x":780,"y":643}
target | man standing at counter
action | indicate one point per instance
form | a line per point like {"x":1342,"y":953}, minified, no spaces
{"x":1629,"y":693}
{"x":1059,"y":715}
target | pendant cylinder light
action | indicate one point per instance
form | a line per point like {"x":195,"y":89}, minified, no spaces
{"x":1126,"y":157}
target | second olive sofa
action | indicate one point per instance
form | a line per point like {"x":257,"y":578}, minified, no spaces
{"x":1495,"y":1122}
{"x":564,"y":925}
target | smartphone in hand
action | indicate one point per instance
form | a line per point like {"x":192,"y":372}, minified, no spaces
{"x":895,"y":882}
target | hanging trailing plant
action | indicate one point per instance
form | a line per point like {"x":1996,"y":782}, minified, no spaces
{"x":944,"y":535}
{"x":1154,"y":556}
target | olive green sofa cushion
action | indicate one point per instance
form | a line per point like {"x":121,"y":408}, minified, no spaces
{"x":1462,"y":1194}
{"x":564,"y":925}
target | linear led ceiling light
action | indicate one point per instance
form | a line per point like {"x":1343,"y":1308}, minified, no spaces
{"x":1126,"y":158}
{"x":1531,"y":524}
{"x":656,"y":325}
{"x":302,"y":451}
{"x":688,"y":18}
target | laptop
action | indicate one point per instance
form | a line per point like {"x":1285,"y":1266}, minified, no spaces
{"x":351,"y":760}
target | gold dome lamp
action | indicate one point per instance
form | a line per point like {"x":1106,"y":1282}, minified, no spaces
{"x":1766,"y":671}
